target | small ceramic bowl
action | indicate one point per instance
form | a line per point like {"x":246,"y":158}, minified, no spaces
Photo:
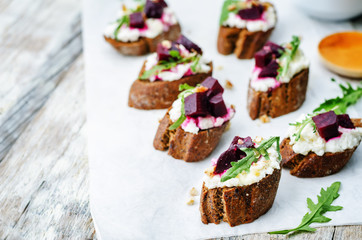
{"x":334,"y":10}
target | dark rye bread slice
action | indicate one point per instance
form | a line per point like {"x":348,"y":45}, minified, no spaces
{"x":241,"y":42}
{"x":145,"y":45}
{"x":284,"y":99}
{"x":238,"y":205}
{"x":160,"y":94}
{"x":185,"y":145}
{"x":313,"y":165}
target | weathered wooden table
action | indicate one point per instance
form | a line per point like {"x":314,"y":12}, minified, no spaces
{"x":43,"y":148}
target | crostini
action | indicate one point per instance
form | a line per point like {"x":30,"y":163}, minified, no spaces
{"x":242,"y":183}
{"x":174,"y":63}
{"x":245,"y":26}
{"x":279,"y":80}
{"x":138,"y":31}
{"x":320,"y":145}
{"x":194,"y":124}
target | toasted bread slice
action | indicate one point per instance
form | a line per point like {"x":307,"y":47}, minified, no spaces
{"x":145,"y":45}
{"x":238,"y":205}
{"x":185,"y":145}
{"x":312,"y":165}
{"x":241,"y":41}
{"x":160,"y":94}
{"x":284,"y":99}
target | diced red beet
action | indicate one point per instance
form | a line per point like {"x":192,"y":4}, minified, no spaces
{"x":213,"y":86}
{"x":327,"y":125}
{"x":276,"y":49}
{"x":188,"y":44}
{"x":233,"y":154}
{"x":252,"y":13}
{"x":345,"y":121}
{"x":136,"y":20}
{"x":196,"y":105}
{"x":270,"y":70}
{"x":163,"y":53}
{"x":153,"y":9}
{"x":262,"y":58}
{"x":217,"y":106}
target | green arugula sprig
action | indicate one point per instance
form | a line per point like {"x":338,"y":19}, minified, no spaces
{"x":339,"y":105}
{"x":225,"y":10}
{"x":288,"y":56}
{"x":317,"y":210}
{"x":187,"y":89}
{"x":165,"y":65}
{"x":252,"y":155}
{"x":125,"y":18}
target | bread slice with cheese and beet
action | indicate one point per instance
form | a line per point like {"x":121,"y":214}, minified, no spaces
{"x":242,"y":183}
{"x":174,"y":63}
{"x":279,"y":80}
{"x":320,"y":145}
{"x":192,"y":127}
{"x":245,"y":26}
{"x":137,"y":31}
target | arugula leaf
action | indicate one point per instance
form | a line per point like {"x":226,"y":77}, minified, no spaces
{"x":175,"y":54}
{"x":163,"y":65}
{"x":123,"y":20}
{"x":252,"y":155}
{"x":339,"y":105}
{"x":225,"y":10}
{"x":317,"y":210}
{"x":187,"y":89}
{"x":288,"y":56}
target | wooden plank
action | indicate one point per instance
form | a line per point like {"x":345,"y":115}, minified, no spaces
{"x":44,"y":190}
{"x":32,"y":67}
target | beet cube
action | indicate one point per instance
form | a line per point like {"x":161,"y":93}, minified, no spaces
{"x":136,"y":20}
{"x":242,"y":142}
{"x":252,"y":13}
{"x":270,"y":70}
{"x":196,"y":105}
{"x":345,"y":121}
{"x":276,"y":49}
{"x":217,"y":105}
{"x":188,"y":44}
{"x":262,"y":58}
{"x":163,"y":53}
{"x":233,"y":154}
{"x":327,"y":125}
{"x":153,"y":9}
{"x":213,"y":86}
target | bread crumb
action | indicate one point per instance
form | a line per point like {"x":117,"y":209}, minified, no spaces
{"x":201,"y":89}
{"x":231,"y":7}
{"x":264,"y":119}
{"x":210,"y":171}
{"x":227,"y":126}
{"x":193,"y":192}
{"x":124,"y":7}
{"x":219,"y":68}
{"x":191,"y":201}
{"x":258,"y":139}
{"x":228,"y":84}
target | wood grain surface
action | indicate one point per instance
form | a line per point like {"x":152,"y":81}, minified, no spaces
{"x":43,"y":148}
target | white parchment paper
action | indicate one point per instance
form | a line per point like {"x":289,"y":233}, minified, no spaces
{"x":140,"y":193}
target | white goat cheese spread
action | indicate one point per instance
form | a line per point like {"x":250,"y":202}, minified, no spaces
{"x":194,"y":125}
{"x":180,"y":70}
{"x":258,"y":171}
{"x":267,"y":21}
{"x":298,"y":63}
{"x":153,"y":27}
{"x":311,"y":141}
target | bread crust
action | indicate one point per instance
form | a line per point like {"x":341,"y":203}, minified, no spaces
{"x":160,"y":94}
{"x":284,"y":99}
{"x":145,"y":45}
{"x":185,"y":145}
{"x":239,"y":205}
{"x":312,"y":165}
